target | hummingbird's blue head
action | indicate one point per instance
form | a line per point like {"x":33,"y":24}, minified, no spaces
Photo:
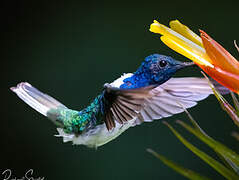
{"x":155,"y":70}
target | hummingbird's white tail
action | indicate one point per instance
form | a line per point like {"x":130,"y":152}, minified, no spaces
{"x":37,"y":100}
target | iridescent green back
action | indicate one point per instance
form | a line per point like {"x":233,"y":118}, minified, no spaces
{"x":73,"y":121}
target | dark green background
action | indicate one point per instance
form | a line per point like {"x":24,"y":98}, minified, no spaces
{"x":69,"y":49}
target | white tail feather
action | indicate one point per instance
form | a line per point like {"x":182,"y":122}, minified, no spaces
{"x":37,"y":100}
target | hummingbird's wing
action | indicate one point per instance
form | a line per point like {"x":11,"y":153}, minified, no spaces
{"x":123,"y":105}
{"x":169,"y":98}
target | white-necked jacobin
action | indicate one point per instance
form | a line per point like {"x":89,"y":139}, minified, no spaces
{"x":143,"y":96}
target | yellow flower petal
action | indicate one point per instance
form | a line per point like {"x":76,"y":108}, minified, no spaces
{"x":182,"y":47}
{"x":156,"y":27}
{"x":185,"y":31}
{"x":181,"y":44}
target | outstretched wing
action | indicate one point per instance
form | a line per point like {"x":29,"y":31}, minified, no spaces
{"x":123,"y":105}
{"x":170,"y":98}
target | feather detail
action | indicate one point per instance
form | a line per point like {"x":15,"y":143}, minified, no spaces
{"x":37,"y":100}
{"x":118,"y":82}
{"x":123,"y":105}
{"x":167,"y":99}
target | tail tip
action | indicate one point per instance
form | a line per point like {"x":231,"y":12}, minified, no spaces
{"x":20,"y":85}
{"x":13,"y":89}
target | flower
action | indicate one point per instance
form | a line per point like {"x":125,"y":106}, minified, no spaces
{"x":204,"y":51}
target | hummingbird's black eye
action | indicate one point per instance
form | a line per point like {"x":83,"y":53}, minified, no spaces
{"x":163,"y":63}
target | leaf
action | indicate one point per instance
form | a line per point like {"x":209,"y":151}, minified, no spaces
{"x":208,"y":159}
{"x":195,"y":124}
{"x":222,"y":156}
{"x":235,"y":135}
{"x":236,"y":103}
{"x":233,"y":166}
{"x":229,"y":164}
{"x":181,"y":170}
{"x":225,"y":161}
{"x":224,"y":104}
{"x":216,"y":146}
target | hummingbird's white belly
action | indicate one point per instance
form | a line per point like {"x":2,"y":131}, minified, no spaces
{"x":99,"y":135}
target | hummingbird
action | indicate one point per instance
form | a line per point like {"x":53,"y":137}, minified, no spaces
{"x":150,"y":93}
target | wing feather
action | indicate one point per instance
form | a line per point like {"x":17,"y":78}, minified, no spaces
{"x":151,"y":103}
{"x":123,"y":105}
{"x":169,"y":98}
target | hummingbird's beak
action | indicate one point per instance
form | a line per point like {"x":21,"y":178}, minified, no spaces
{"x":186,"y":64}
{"x":182,"y":65}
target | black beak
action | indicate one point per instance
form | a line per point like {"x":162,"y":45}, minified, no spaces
{"x":186,"y":64}
{"x":182,"y":65}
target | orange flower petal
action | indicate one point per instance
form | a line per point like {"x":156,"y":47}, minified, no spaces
{"x":220,"y":57}
{"x":227,"y":79}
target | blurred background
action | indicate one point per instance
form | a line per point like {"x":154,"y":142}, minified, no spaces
{"x":69,"y":49}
